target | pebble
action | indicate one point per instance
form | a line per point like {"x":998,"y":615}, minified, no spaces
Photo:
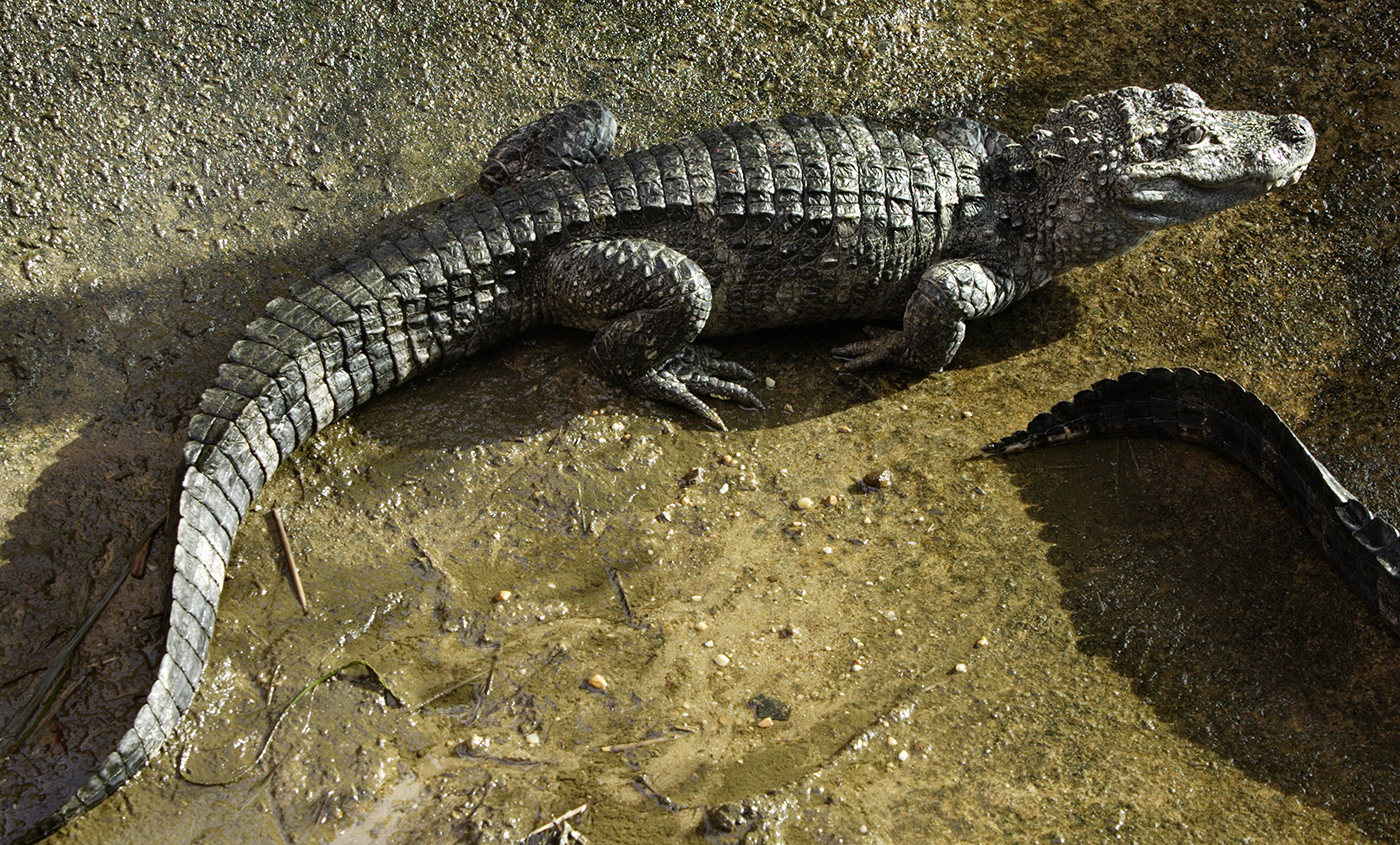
{"x":881,"y":479}
{"x":598,"y":682}
{"x":721,"y":660}
{"x":728,"y":460}
{"x":961,"y":668}
{"x":831,"y":500}
{"x":770,"y":383}
{"x":803,"y":503}
{"x":702,"y":625}
{"x":765,"y":722}
{"x":503,"y":595}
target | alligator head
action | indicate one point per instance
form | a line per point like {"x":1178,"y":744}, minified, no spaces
{"x":1113,"y":168}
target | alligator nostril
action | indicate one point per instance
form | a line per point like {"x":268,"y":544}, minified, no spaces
{"x":1294,"y":128}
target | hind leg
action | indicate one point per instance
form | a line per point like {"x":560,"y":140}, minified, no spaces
{"x":648,"y":303}
{"x":577,"y":134}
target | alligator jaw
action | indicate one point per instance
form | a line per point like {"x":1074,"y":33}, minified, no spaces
{"x":1172,"y":200}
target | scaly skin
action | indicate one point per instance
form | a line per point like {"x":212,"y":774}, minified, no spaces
{"x":729,"y":230}
{"x":1210,"y":411}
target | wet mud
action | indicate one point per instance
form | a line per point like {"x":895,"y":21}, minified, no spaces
{"x":541,"y":592}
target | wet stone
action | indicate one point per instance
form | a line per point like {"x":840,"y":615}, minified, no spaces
{"x":767,"y":707}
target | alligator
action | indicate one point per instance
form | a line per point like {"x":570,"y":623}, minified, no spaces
{"x":1208,"y":410}
{"x":729,"y":230}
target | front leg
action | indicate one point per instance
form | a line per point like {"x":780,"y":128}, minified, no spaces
{"x":949,"y":294}
{"x":648,"y":303}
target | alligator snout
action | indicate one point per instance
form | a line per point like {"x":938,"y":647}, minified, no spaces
{"x":1295,"y":129}
{"x":1282,"y":161}
{"x":1296,"y":133}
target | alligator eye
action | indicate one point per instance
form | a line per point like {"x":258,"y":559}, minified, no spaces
{"x":1193,"y":135}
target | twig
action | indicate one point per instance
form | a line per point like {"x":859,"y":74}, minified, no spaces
{"x":626,"y":746}
{"x":558,"y":820}
{"x":615,"y":579}
{"x":138,"y":561}
{"x":642,"y":785}
{"x":291,"y":560}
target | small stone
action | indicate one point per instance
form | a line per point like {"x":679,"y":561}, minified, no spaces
{"x":598,"y":682}
{"x":803,"y":503}
{"x":503,"y":595}
{"x":702,"y":625}
{"x":832,"y":500}
{"x":983,"y":641}
{"x":903,"y":755}
{"x":892,"y":742}
{"x":770,"y":708}
{"x":770,"y":383}
{"x":728,"y":460}
{"x":878,"y":479}
{"x":765,"y":722}
{"x":532,"y":739}
{"x":967,"y":415}
{"x":721,"y":660}
{"x":961,"y":668}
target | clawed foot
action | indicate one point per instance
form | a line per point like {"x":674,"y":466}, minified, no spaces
{"x":885,"y":346}
{"x":693,"y":372}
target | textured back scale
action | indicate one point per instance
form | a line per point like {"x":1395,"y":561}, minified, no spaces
{"x":792,"y":220}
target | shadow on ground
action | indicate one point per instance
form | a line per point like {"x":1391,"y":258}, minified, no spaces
{"x":1188,"y":576}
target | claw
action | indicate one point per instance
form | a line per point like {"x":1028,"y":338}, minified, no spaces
{"x":697,"y":371}
{"x":707,"y":359}
{"x":885,"y":346}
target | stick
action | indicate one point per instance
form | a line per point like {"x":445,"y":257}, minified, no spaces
{"x":138,"y":562}
{"x":558,"y":820}
{"x":291,"y":561}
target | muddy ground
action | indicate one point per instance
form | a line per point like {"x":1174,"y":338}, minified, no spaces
{"x":1155,"y":651}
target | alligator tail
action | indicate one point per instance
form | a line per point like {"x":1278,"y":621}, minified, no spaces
{"x":438,"y":290}
{"x":1205,"y":409}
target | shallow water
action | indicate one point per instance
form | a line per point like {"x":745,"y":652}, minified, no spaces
{"x":1168,"y":657}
